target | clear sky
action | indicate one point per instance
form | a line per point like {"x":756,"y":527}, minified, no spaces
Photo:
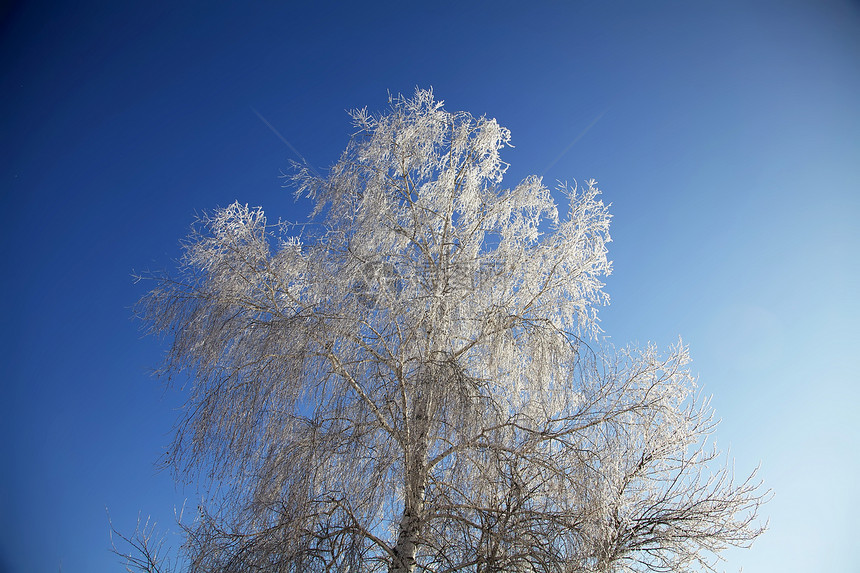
{"x":726,"y":135}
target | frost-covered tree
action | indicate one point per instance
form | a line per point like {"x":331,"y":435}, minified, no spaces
{"x":417,"y":385}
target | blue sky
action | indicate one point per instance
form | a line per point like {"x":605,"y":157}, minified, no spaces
{"x":726,"y":135}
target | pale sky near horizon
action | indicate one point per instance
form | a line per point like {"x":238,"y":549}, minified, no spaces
{"x":726,"y":136}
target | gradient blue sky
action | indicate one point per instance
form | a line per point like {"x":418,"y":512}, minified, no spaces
{"x":726,"y":135}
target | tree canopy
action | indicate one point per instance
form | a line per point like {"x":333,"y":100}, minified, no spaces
{"x":415,"y":381}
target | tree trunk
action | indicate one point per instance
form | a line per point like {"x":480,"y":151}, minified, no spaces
{"x":407,"y":544}
{"x":408,"y":538}
{"x":413,"y":509}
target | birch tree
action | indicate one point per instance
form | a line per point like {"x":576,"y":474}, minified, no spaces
{"x":414,"y":382}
